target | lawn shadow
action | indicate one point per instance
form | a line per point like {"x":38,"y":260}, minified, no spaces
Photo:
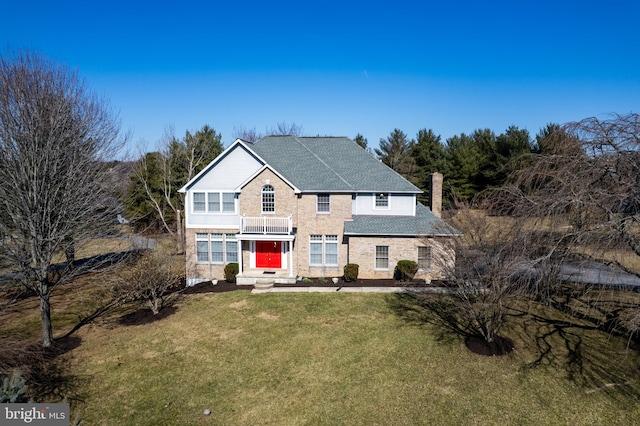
{"x":417,"y":310}
{"x":45,"y":373}
{"x":588,"y":355}
{"x":145,"y":316}
{"x":585,"y":353}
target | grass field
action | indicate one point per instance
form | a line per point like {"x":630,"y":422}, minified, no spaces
{"x":337,"y":359}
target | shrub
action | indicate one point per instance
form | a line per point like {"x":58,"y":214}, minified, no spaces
{"x":405,"y":270}
{"x":230,"y":272}
{"x":153,"y":280}
{"x":13,"y":388}
{"x":351,"y":272}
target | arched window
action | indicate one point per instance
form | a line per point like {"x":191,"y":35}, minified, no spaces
{"x":268,"y":199}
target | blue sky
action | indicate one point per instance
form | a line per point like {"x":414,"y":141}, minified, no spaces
{"x":339,"y":67}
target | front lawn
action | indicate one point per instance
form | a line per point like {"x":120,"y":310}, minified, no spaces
{"x":352,"y":359}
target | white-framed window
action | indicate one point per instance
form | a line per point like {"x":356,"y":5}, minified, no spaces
{"x":231,"y":248}
{"x":268,"y":199}
{"x":202,"y":247}
{"x":228,"y":202}
{"x":323,"y":203}
{"x":424,"y":258}
{"x":216,"y":248}
{"x":315,"y":250}
{"x":199,"y":202}
{"x":382,"y":257}
{"x":323,"y":250}
{"x":217,"y":252}
{"x":213,"y":201}
{"x":381,"y":201}
{"x":330,"y":249}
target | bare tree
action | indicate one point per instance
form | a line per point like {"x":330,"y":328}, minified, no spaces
{"x":280,"y":129}
{"x":249,"y":135}
{"x":152,"y":280}
{"x":584,"y":192}
{"x":55,"y":139}
{"x":284,"y":128}
{"x":493,"y":270}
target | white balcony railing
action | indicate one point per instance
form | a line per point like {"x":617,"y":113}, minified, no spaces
{"x":266,"y":225}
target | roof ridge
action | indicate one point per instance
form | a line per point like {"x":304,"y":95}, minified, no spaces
{"x":322,"y":161}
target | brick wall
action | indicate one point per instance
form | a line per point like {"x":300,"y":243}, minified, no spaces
{"x":362,"y":251}
{"x":206,"y":271}
{"x":311,"y":222}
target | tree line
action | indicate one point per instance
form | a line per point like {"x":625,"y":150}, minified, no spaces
{"x":471,"y":162}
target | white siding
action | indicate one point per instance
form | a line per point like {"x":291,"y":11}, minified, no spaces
{"x":232,"y":169}
{"x":399,"y":205}
{"x":205,"y":220}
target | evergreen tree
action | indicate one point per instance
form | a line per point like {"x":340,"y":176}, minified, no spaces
{"x":428,"y":155}
{"x":363,"y":142}
{"x":554,"y":139}
{"x":395,"y":152}
{"x":511,"y":146}
{"x":463,"y":167}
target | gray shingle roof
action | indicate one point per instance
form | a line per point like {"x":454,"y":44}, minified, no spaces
{"x":423,"y":223}
{"x":329,"y":164}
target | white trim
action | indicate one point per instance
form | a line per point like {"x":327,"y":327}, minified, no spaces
{"x":266,"y":237}
{"x":323,"y":242}
{"x":388,"y":207}
{"x":318,"y":203}
{"x":375,"y":258}
{"x":260,"y":170}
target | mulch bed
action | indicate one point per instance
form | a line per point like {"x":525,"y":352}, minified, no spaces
{"x":223,"y":286}
{"x":499,"y":346}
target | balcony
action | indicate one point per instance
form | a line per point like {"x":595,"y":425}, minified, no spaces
{"x":266,"y":225}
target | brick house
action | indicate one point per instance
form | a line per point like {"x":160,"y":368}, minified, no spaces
{"x":287,"y":207}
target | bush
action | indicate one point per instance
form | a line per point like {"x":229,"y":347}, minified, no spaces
{"x":13,"y":388}
{"x":230,"y":272}
{"x":351,"y":272}
{"x":405,"y":270}
{"x":153,"y":280}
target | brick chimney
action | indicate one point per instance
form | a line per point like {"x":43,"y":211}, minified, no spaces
{"x":435,"y":193}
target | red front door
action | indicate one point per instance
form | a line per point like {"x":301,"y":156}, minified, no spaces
{"x":268,"y":254}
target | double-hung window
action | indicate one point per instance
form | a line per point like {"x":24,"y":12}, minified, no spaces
{"x":198,"y":202}
{"x":424,"y":258}
{"x":323,"y":250}
{"x":213,"y":200}
{"x":228,"y":202}
{"x":231,"y":248}
{"x":382,"y":257}
{"x":382,"y":201}
{"x":315,"y":250}
{"x":217,"y":254}
{"x":202,"y":247}
{"x":330,"y":249}
{"x":323,"y":204}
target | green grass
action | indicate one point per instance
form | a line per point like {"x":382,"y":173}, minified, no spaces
{"x":342,"y":359}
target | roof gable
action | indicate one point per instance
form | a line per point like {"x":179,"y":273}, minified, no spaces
{"x":232,"y":167}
